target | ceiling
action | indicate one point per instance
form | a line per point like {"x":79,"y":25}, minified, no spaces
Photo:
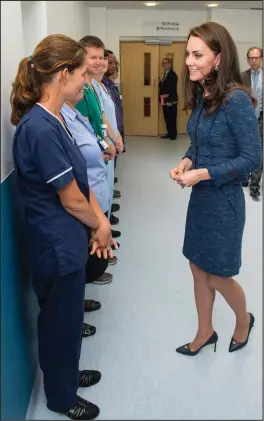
{"x":180,"y":5}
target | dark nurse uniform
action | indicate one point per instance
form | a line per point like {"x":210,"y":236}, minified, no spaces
{"x":46,"y":158}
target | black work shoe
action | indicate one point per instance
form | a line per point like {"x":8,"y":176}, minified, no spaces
{"x":88,"y":330}
{"x":106,"y":278}
{"x":113,"y":247}
{"x":115,"y":207}
{"x":112,"y":260}
{"x":91,"y":305}
{"x":116,"y":194}
{"x":116,"y":234}
{"x":115,"y":180}
{"x":83,"y":410}
{"x":114,"y":220}
{"x":254,"y":193}
{"x":165,"y":136}
{"x":89,"y":378}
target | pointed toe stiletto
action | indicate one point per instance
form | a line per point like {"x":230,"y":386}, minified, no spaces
{"x":185,"y":349}
{"x":235,"y":345}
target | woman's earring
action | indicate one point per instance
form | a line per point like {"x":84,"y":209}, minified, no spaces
{"x":216,"y":68}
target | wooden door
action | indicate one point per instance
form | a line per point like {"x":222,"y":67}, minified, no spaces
{"x":139,"y":84}
{"x":176,"y":52}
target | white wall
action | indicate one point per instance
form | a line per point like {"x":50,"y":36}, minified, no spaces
{"x":245,"y":26}
{"x":23,"y":25}
{"x":98,"y":23}
{"x":34,"y":18}
{"x":111,"y":25}
{"x":12,"y":51}
{"x":130,"y":23}
{"x":67,"y":17}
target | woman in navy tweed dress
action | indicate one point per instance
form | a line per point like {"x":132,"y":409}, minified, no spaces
{"x":225,"y":148}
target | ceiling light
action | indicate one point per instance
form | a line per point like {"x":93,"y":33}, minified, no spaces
{"x":212,"y":5}
{"x":151,"y":3}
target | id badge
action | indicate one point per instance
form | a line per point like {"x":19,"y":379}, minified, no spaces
{"x":104,"y":129}
{"x":103,"y":145}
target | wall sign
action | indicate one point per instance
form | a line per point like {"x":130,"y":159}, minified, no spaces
{"x":168,"y":26}
{"x":162,"y":27}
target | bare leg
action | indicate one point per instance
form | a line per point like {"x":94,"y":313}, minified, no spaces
{"x":204,"y":299}
{"x":235,"y":297}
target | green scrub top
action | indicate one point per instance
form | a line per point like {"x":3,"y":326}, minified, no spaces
{"x":90,"y":107}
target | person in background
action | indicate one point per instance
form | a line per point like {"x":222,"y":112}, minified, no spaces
{"x":169,"y":98}
{"x":110,"y":112}
{"x":115,"y":95}
{"x":253,"y":78}
{"x":225,"y":147}
{"x":93,"y":149}
{"x":90,"y":106}
{"x":62,"y":215}
{"x":115,"y":76}
{"x":115,"y":79}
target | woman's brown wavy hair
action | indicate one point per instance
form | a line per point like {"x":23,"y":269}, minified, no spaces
{"x":53,"y":54}
{"x":218,"y":83}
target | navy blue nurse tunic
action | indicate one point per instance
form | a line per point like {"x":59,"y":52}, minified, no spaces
{"x":46,"y":158}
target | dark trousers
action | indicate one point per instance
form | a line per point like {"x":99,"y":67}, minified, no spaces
{"x":123,"y":137}
{"x":170,"y":117}
{"x":95,"y":267}
{"x":60,"y":324}
{"x":256,"y":176}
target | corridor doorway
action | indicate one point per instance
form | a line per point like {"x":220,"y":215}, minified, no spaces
{"x":141,"y":72}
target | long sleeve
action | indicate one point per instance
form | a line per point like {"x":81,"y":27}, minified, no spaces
{"x":188,"y":153}
{"x":243,"y":125}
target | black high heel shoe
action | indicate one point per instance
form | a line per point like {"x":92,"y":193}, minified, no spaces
{"x":235,"y":345}
{"x":185,"y":349}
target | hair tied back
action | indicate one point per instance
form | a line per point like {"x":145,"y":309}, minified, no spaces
{"x":31,"y":61}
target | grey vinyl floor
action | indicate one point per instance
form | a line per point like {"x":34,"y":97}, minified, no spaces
{"x":148,"y":310}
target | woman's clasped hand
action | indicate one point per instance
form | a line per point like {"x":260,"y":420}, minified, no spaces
{"x":101,"y":241}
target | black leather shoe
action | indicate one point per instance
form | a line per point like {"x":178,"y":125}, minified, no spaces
{"x":254,"y":193}
{"x":83,"y":410}
{"x":115,"y":207}
{"x":115,"y":180}
{"x":116,"y":194}
{"x":116,"y":234}
{"x":185,"y":349}
{"x":112,"y":261}
{"x":88,"y":330}
{"x":235,"y":345}
{"x":89,"y":378}
{"x":91,"y":305}
{"x":113,"y":248}
{"x":114,"y":220}
{"x":165,"y":136}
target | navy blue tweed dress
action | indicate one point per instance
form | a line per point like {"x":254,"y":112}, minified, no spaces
{"x":228,"y":144}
